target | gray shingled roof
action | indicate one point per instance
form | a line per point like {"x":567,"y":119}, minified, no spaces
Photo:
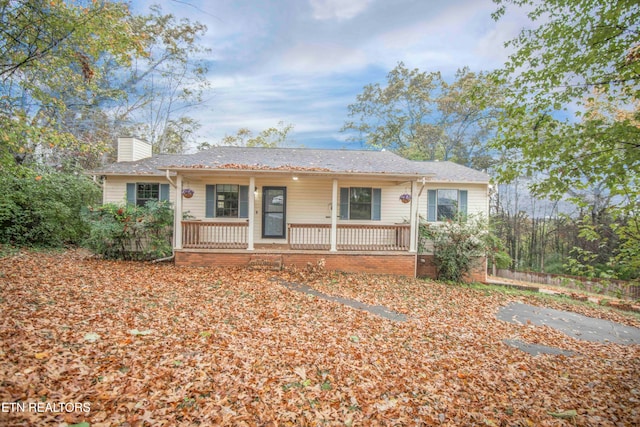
{"x":148,"y":166}
{"x":446,"y":171}
{"x":296,"y":159}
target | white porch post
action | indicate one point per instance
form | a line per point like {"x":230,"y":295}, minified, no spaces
{"x":334,"y":216}
{"x":413,"y":229}
{"x":252,"y":211}
{"x":177,"y":215}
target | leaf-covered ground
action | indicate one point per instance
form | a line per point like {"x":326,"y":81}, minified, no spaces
{"x":148,"y":344}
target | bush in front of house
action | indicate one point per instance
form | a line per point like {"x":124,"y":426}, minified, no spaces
{"x":457,"y":244}
{"x":131,"y":232}
{"x":41,"y":207}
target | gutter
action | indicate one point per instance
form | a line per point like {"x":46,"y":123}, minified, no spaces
{"x":294,"y":171}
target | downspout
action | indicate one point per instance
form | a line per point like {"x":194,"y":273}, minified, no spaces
{"x":173,"y":184}
{"x":423,"y":181}
{"x":334,"y":216}
{"x":95,"y":181}
{"x":101,"y":185}
{"x":169,"y":258}
{"x":173,"y":253}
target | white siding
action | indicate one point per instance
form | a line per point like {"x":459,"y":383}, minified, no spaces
{"x":131,"y":149}
{"x":308,"y":199}
{"x":196,"y":206}
{"x":125,"y":150}
{"x":393,"y":211}
{"x":115,"y":188}
{"x":477,"y":197}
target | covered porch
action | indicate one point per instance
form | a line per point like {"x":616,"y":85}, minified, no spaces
{"x":347,"y":222}
{"x":296,"y":212}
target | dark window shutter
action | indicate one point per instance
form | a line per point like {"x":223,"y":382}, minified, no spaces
{"x":164,"y":192}
{"x":432,"y":197}
{"x":131,"y":193}
{"x":244,"y":201}
{"x":210,"y":201}
{"x":344,"y":203}
{"x":376,"y":204}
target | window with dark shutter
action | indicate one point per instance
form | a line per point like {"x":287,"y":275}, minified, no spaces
{"x":361,"y":203}
{"x":139,"y":193}
{"x":444,"y":204}
{"x":226,"y":201}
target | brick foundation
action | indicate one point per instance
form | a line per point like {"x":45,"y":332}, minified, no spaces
{"x":427,"y":268}
{"x":401,"y":264}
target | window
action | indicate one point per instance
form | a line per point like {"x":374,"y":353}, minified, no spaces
{"x":146,"y":192}
{"x":140,"y":193}
{"x":445,"y":204}
{"x":360,"y":203}
{"x":227,"y":201}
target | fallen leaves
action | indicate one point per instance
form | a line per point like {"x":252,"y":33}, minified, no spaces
{"x":150,"y":344}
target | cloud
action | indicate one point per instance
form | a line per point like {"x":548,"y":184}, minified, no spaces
{"x":304,"y":62}
{"x":446,"y":41}
{"x":316,"y":107}
{"x":322,"y":58}
{"x":490,"y":44}
{"x":337,"y":9}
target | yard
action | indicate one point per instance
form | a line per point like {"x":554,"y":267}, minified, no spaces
{"x":133,"y":344}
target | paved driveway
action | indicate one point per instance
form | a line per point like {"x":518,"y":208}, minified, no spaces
{"x":573,"y":324}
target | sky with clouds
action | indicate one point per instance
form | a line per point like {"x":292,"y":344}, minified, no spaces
{"x":303,"y":62}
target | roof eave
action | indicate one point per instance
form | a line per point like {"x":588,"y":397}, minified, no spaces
{"x":103,"y":173}
{"x":300,"y":172}
{"x":458,"y":181}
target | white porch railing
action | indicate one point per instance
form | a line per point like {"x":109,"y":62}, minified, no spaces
{"x":234,"y":235}
{"x":214,"y":235}
{"x":309,"y":236}
{"x":369,"y":237}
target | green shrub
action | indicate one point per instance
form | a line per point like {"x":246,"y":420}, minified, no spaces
{"x":131,"y":232}
{"x":458,"y":244}
{"x":42,"y":208}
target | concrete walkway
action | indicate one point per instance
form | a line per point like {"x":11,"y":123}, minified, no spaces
{"x":378,"y":310}
{"x":536,"y":349}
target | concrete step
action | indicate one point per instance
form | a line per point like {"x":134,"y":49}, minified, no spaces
{"x":265,"y":262}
